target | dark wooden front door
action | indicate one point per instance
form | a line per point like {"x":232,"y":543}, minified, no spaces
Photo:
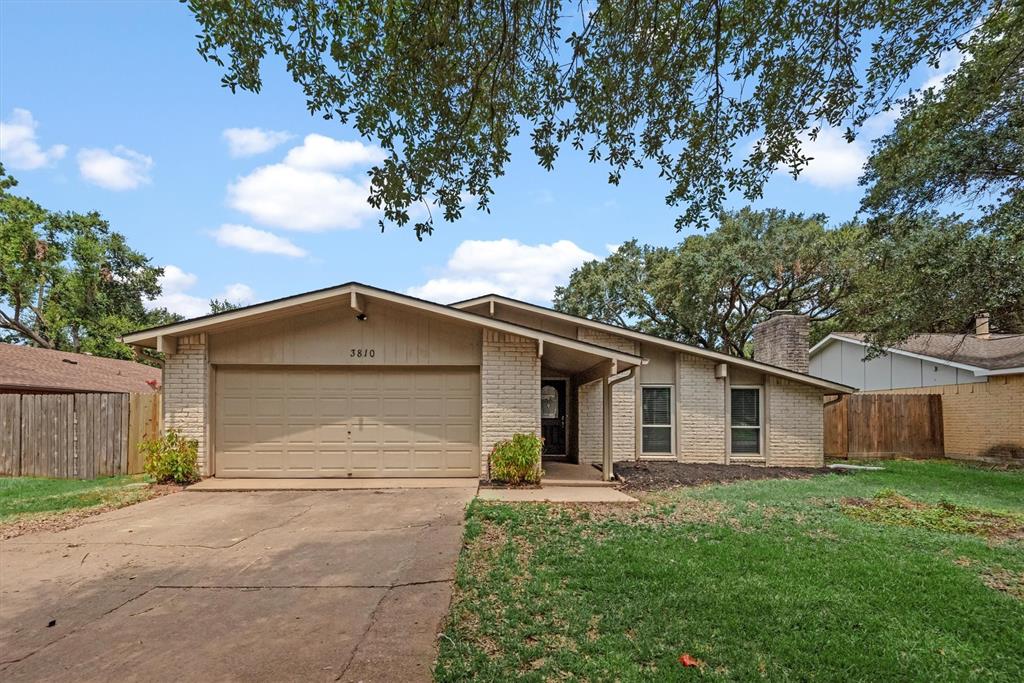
{"x":552,"y":416}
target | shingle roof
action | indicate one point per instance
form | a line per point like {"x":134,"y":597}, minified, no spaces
{"x":27,"y":367}
{"x":995,"y":352}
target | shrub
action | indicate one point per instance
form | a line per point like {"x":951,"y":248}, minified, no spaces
{"x":172,"y":458}
{"x":517,"y":460}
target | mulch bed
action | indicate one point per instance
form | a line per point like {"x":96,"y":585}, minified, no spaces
{"x":651,"y":476}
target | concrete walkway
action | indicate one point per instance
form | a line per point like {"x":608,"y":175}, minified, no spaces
{"x":557,"y":494}
{"x":221,"y":484}
{"x":557,"y":473}
{"x":260,"y":586}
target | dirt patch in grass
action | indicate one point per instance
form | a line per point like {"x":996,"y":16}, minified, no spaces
{"x":1005,"y":581}
{"x":659,"y":513}
{"x":68,"y":519}
{"x":890,"y":507}
{"x":651,"y":476}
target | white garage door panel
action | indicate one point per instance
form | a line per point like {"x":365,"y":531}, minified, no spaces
{"x":347,"y":422}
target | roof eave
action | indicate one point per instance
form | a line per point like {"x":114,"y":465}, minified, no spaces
{"x":196,"y":325}
{"x":685,"y":348}
{"x":1004,"y":371}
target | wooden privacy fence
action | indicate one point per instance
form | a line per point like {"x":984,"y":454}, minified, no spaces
{"x":75,"y":436}
{"x":884,"y":426}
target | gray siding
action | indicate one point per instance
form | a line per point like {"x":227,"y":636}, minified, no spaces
{"x":842,"y":361}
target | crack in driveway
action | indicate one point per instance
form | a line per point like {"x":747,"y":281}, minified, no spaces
{"x":85,"y":591}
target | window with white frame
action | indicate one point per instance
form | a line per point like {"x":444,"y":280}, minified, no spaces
{"x":656,"y":420}
{"x":746,"y":420}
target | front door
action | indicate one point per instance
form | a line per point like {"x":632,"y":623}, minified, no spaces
{"x":552,"y":415}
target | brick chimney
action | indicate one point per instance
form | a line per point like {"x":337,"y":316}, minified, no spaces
{"x":782,"y":340}
{"x":981,"y":325}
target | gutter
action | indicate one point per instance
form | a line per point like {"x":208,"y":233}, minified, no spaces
{"x":606,"y":414}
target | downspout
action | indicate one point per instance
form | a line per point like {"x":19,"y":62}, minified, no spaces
{"x":606,"y":465}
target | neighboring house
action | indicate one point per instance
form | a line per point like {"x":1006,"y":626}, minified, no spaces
{"x":355,"y":381}
{"x":31,"y":370}
{"x":980,"y":377}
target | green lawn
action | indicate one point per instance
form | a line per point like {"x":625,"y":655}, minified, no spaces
{"x":21,"y":496}
{"x":769,"y":580}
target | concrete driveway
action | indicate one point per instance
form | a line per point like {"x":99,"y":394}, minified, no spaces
{"x":269,"y":585}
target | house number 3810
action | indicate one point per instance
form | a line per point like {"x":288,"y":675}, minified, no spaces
{"x":362,"y":353}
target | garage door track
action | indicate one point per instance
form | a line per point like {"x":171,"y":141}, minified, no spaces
{"x":274,"y":585}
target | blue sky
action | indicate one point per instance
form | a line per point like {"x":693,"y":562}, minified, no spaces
{"x":107,"y":106}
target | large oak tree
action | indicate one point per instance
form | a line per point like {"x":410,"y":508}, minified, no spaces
{"x":959,"y":148}
{"x":712,"y":288}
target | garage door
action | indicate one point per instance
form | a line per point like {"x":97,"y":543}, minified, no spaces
{"x":359,"y":422}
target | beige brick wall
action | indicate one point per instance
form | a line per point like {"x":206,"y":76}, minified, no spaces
{"x":700,"y":405}
{"x":979,"y":416}
{"x":510,"y":391}
{"x":795,"y":422}
{"x":591,"y":407}
{"x":186,"y":395}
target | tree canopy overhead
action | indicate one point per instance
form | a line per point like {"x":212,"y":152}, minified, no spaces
{"x":961,"y":145}
{"x":682,"y":85}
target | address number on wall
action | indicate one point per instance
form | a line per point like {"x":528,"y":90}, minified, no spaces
{"x":362,"y":353}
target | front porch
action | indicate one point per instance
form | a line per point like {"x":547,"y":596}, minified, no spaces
{"x":560,"y":472}
{"x":562,"y":390}
{"x":587,"y":418}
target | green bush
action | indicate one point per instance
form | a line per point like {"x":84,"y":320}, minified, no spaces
{"x":517,"y":461}
{"x":172,"y":459}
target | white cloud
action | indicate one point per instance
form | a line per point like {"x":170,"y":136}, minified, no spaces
{"x":949,"y":62}
{"x":612,"y":248}
{"x":297,"y":199}
{"x":257,"y":241}
{"x":835,"y":163}
{"x":121,"y":169}
{"x":238,"y":293}
{"x":18,"y":146}
{"x":505,"y":266}
{"x":176,"y":298}
{"x":321,"y":153}
{"x":245,"y":142}
{"x":174,"y":284}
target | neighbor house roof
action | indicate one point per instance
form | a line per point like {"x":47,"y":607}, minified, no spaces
{"x":32,"y":369}
{"x":150,"y":337}
{"x":994,"y":354}
{"x":652,"y":339}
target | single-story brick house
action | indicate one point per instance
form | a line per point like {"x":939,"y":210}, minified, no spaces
{"x":355,"y":381}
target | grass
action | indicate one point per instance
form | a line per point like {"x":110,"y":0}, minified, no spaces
{"x":766,"y":580}
{"x":22,"y":496}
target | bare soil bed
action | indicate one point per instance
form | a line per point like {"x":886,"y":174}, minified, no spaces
{"x":651,"y":476}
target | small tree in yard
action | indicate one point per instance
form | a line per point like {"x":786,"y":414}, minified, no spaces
{"x":172,"y":459}
{"x":517,"y":460}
